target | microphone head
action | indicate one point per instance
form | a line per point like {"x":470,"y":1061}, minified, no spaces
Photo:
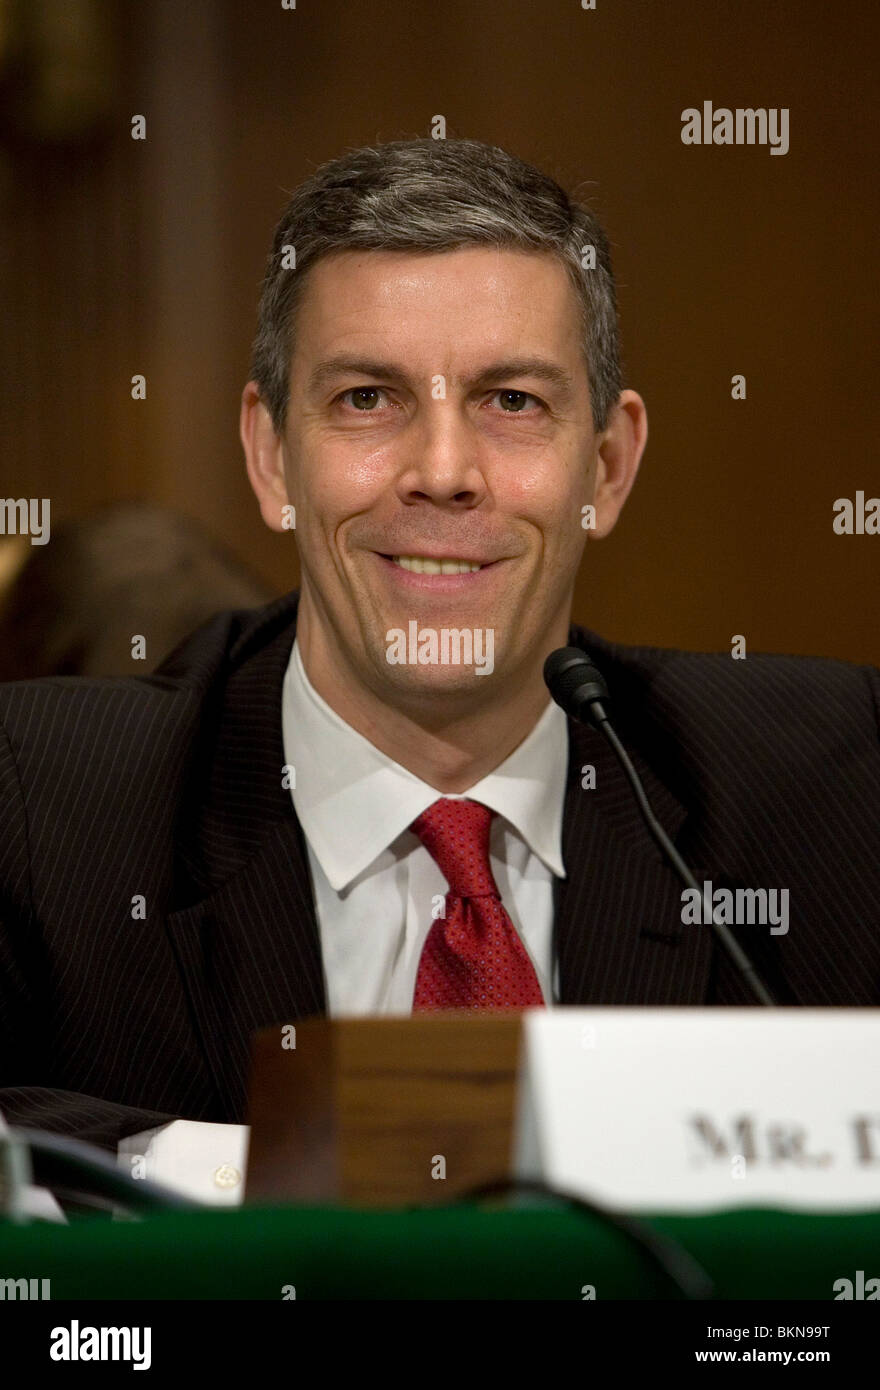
{"x":576,"y":684}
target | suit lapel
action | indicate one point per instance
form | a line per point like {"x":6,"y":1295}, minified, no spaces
{"x":618,"y":929}
{"x":244,"y":929}
{"x":251,"y":957}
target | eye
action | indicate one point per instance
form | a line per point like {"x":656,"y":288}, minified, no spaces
{"x":512,"y":402}
{"x":363,"y":397}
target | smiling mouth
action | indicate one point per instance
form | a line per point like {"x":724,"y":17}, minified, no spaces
{"x":423,"y":564}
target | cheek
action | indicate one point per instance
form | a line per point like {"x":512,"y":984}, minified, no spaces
{"x":338,"y":478}
{"x":549,"y":495}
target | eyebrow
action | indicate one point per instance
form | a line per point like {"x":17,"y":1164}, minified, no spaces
{"x":503,"y":370}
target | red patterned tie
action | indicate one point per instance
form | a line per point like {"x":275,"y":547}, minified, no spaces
{"x":473,"y":957}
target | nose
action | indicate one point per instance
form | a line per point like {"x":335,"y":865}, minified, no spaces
{"x":442,"y":460}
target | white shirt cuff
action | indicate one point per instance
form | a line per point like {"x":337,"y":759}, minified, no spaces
{"x":205,"y":1161}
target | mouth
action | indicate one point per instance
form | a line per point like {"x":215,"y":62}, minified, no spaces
{"x":437,"y":573}
{"x":427,"y":564}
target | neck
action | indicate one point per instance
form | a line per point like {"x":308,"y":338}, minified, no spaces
{"x":451,"y":745}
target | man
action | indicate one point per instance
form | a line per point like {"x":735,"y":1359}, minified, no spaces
{"x":361,"y":798}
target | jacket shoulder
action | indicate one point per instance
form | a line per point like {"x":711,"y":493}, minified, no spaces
{"x":64,"y":732}
{"x":94,"y":771}
{"x":700,"y":677}
{"x":49,"y":707}
{"x":776,"y":707}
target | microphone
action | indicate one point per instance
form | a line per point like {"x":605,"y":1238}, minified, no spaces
{"x":579,"y":688}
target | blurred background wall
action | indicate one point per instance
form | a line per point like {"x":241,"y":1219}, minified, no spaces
{"x":122,"y":256}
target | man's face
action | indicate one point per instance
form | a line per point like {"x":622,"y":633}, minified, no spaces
{"x":439,"y":409}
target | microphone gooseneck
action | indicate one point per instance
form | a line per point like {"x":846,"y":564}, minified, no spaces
{"x":579,"y":687}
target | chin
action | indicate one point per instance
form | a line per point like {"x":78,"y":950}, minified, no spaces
{"x":435,"y":682}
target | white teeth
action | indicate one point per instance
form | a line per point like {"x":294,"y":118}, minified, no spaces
{"x":419,"y":564}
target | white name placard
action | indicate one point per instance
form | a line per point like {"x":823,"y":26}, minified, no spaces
{"x":693,"y":1109}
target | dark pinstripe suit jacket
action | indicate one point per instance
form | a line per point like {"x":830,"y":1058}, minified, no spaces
{"x":168,"y":788}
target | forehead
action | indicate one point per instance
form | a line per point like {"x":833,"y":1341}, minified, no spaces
{"x":449,"y":304}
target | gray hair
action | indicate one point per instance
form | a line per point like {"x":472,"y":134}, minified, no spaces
{"x":435,"y":195}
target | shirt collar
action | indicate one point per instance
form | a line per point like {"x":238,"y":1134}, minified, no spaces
{"x":341,"y":779}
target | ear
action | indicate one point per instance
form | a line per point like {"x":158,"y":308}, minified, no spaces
{"x":620,"y":450}
{"x":263,"y":451}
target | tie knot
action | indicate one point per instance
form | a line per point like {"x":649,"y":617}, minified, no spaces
{"x":456,"y":835}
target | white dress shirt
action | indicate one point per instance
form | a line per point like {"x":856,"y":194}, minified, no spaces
{"x":372,"y":878}
{"x":373,"y":883}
